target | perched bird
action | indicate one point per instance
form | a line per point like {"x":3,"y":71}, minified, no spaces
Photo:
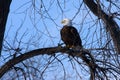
{"x":70,"y":35}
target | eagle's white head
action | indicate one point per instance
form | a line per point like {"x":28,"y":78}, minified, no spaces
{"x":66,"y":22}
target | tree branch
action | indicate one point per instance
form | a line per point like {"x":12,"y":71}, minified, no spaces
{"x":111,"y":25}
{"x":50,"y":51}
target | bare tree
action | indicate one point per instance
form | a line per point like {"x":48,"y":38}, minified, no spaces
{"x":35,"y":54}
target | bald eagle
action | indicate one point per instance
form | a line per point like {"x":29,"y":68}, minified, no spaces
{"x":70,"y":35}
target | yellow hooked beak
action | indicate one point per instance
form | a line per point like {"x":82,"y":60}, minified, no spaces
{"x":63,"y":21}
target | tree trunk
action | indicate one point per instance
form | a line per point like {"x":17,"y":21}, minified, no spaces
{"x":110,"y":24}
{"x":4,"y":10}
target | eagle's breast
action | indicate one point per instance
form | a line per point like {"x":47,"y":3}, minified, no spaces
{"x":70,"y":36}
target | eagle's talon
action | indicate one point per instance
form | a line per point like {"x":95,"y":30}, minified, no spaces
{"x":60,"y":44}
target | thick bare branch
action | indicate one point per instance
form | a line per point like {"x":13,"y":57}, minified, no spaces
{"x":111,"y":25}
{"x":50,"y":51}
